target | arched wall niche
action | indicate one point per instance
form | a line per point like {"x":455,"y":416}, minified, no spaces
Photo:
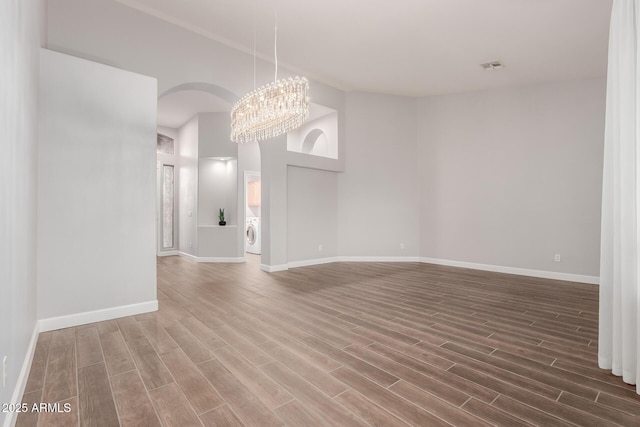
{"x":315,"y":142}
{"x":318,"y":136}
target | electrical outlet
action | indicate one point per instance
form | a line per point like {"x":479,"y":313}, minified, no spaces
{"x":5,"y":371}
{"x":556,"y":258}
{"x":320,"y":247}
{"x":401,"y":246}
{"x":190,"y":244}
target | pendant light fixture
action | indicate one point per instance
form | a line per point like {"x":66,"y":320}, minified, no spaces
{"x":273,"y":109}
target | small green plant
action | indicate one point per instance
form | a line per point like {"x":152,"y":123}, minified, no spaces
{"x":221,"y":215}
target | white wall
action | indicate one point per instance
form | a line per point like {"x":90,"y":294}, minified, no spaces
{"x":96,"y":187}
{"x":214,"y":130}
{"x":188,"y":178}
{"x":511,"y":177}
{"x":312,"y":214}
{"x":249,"y":157}
{"x":219,"y":243}
{"x":19,"y":49}
{"x":378,"y":192}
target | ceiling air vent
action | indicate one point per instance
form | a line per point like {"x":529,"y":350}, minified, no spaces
{"x":493,"y":65}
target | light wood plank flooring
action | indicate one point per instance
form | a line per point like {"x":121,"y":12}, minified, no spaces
{"x":336,"y":345}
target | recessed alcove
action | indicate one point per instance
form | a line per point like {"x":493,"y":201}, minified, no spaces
{"x":217,"y":189}
{"x":318,"y":136}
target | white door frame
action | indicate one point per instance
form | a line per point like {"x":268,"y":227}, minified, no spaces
{"x":248,"y":174}
{"x":165,"y":161}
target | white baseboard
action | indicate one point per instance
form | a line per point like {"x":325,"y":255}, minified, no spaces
{"x":274,"y":268}
{"x":68,"y":321}
{"x":221,"y":259}
{"x":21,"y":383}
{"x":594,"y":280}
{"x":188,"y":256}
{"x":379,"y":259}
{"x":295,"y":264}
{"x":167,"y":253}
{"x":317,"y":261}
{"x":213,"y":259}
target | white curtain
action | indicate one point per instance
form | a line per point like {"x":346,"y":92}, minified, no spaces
{"x":619,"y":335}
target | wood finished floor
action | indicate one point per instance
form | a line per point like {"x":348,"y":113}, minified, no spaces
{"x":336,"y":345}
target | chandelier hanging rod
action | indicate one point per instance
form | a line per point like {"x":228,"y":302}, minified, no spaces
{"x":273,"y":109}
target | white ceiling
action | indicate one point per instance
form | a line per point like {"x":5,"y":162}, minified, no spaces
{"x":409,"y":47}
{"x":174,"y":109}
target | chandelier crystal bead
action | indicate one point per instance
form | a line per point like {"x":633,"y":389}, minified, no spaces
{"x":271,"y":110}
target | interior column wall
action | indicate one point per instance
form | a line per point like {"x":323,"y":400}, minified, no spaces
{"x":20,"y":21}
{"x":188,"y":187}
{"x":378,"y":195}
{"x":312,"y":212}
{"x":96,"y":191}
{"x":273,"y":160}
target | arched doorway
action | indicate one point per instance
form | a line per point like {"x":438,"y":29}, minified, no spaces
{"x":208,"y":175}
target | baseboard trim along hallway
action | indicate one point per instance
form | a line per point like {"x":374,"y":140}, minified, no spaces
{"x":53,"y":323}
{"x":593,"y":280}
{"x":569,"y":277}
{"x":212,"y":259}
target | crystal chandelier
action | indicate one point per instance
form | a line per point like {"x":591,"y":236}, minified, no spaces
{"x":271,"y":110}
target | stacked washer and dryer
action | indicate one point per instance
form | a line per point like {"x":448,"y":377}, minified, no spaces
{"x":253,"y":235}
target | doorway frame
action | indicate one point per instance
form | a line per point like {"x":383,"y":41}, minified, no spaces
{"x":247,"y":174}
{"x":162,"y":160}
